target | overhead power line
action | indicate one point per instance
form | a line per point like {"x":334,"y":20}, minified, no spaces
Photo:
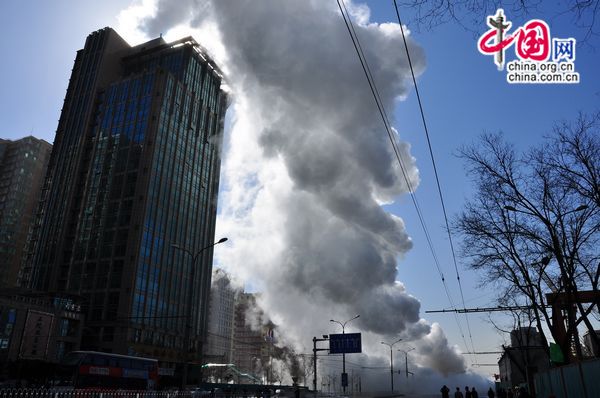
{"x":437,"y":179}
{"x":382,"y":113}
{"x":487,"y":309}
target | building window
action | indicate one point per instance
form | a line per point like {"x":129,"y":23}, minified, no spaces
{"x":60,"y":350}
{"x":109,"y":334}
{"x":63,"y":328}
{"x":137,"y":335}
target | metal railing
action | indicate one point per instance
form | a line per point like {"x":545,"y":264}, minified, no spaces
{"x":62,"y":393}
{"x":107,"y":393}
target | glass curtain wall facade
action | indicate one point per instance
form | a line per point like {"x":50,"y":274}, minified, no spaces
{"x":147,"y":178}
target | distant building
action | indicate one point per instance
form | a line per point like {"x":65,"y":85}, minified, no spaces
{"x":525,"y":337}
{"x":220,"y":339}
{"x":36,"y":331}
{"x":523,"y":359}
{"x":22,"y":167}
{"x":253,"y":338}
{"x":133,"y":173}
{"x":592,"y":348}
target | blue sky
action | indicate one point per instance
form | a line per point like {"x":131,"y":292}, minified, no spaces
{"x":463,"y":95}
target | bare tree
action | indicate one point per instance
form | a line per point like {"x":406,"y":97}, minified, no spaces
{"x":580,"y":155}
{"x":427,"y":14}
{"x":533,"y":227}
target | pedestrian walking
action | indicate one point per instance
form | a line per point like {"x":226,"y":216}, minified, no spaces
{"x":445,"y":392}
{"x":491,"y":393}
{"x":474,"y":393}
{"x":458,"y":394}
{"x":467,"y":392}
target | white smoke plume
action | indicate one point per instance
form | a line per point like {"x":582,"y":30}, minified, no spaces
{"x":308,"y":165}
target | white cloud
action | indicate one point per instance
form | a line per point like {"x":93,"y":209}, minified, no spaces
{"x":130,"y":19}
{"x":308,"y":164}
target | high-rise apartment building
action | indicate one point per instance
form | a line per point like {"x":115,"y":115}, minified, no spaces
{"x":134,"y":171}
{"x":219,"y":347}
{"x":253,"y":338}
{"x":22,"y":167}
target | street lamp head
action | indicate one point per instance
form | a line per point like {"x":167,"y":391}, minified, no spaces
{"x":331,"y":320}
{"x":222,"y":240}
{"x":510,"y":208}
{"x":582,"y":207}
{"x":546,"y":260}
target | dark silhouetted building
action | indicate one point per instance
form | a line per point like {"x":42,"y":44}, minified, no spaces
{"x":134,"y":171}
{"x":22,"y":167}
{"x":592,"y":349}
{"x":525,"y":357}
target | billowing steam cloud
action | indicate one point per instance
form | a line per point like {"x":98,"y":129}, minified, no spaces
{"x":308,"y":166}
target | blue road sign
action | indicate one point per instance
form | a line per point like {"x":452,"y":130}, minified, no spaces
{"x":344,"y":343}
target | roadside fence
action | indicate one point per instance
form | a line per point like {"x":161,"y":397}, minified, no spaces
{"x":58,"y":393}
{"x":578,"y":380}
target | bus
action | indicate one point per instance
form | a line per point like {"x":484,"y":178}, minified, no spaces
{"x":91,"y":369}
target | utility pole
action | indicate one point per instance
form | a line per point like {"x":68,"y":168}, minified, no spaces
{"x":406,"y":359}
{"x":359,"y":384}
{"x":315,"y":349}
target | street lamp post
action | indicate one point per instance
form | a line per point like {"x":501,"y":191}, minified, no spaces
{"x":406,"y":359}
{"x":391,"y":360}
{"x":188,"y":327}
{"x":343,"y":325}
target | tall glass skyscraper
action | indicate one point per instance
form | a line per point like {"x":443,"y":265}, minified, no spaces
{"x":134,"y":170}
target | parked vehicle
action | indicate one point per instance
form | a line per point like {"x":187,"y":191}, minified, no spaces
{"x":103,"y":370}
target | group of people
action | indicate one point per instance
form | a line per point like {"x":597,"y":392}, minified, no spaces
{"x":472,"y":393}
